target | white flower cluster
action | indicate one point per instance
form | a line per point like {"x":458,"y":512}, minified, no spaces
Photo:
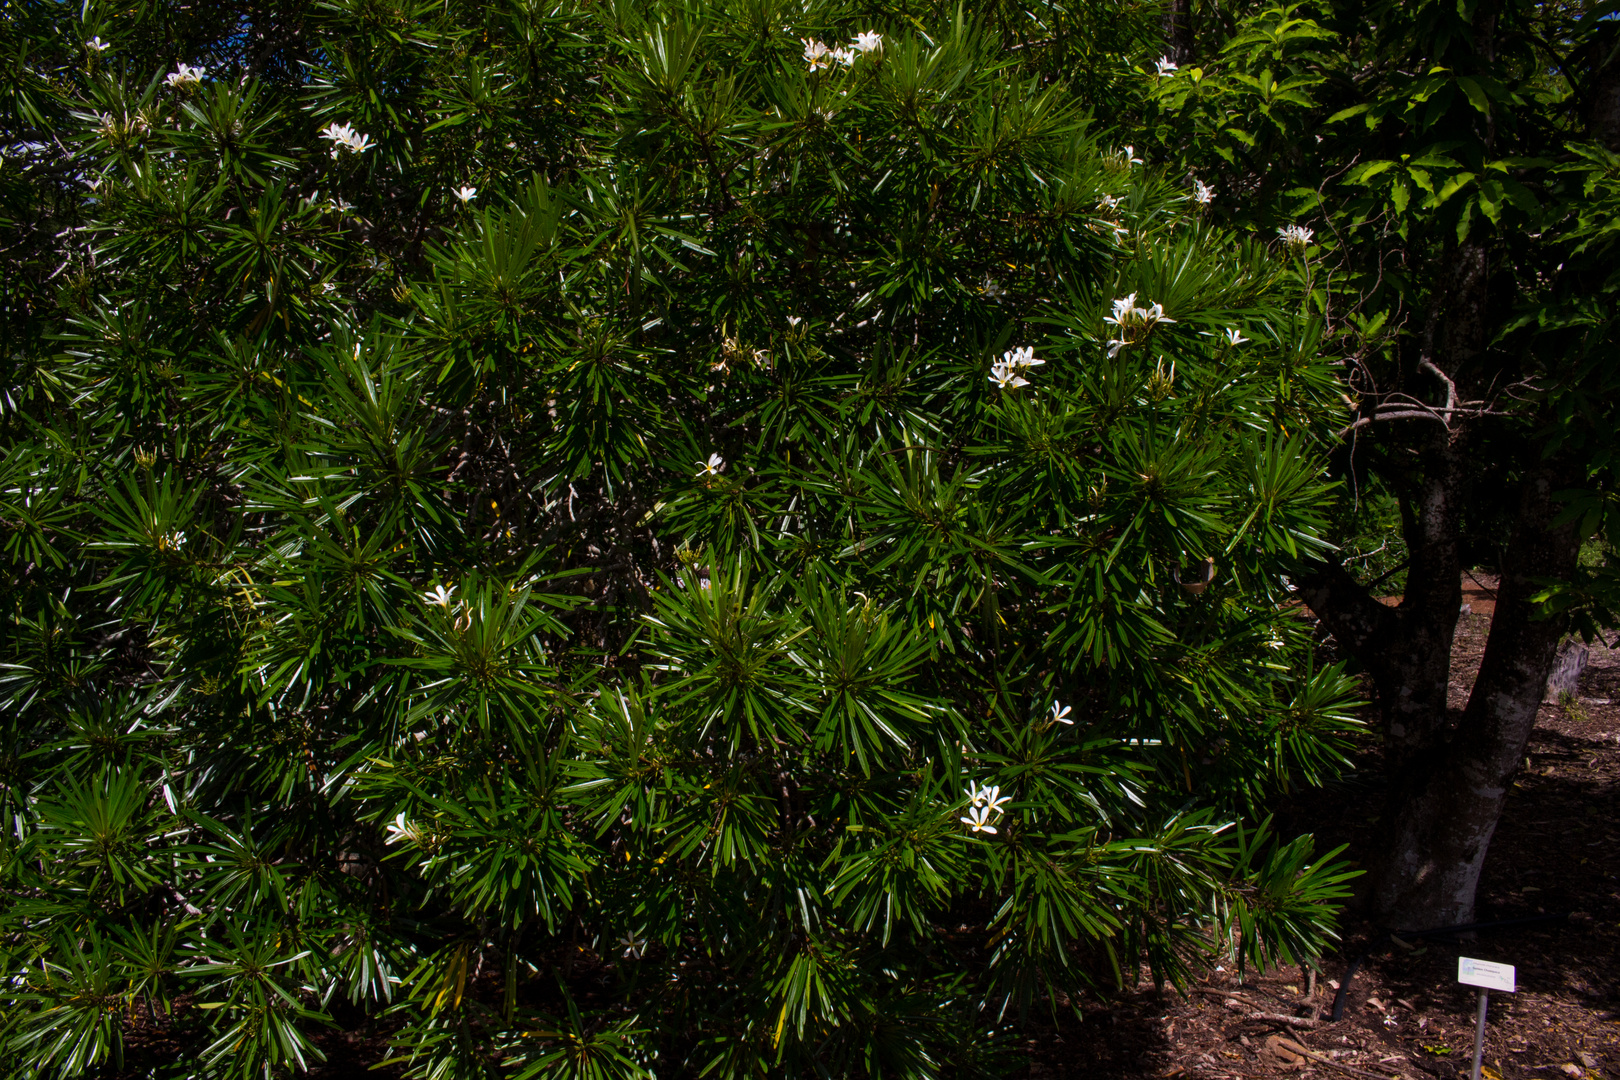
{"x":1296,"y":238}
{"x":733,"y":351}
{"x":984,"y":801}
{"x":344,"y":137}
{"x":1005,"y":372}
{"x":1109,"y":205}
{"x":115,"y":129}
{"x":183,"y":77}
{"x":1126,"y":157}
{"x":819,"y":55}
{"x":1133,"y":323}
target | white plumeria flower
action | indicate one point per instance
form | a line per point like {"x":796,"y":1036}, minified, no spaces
{"x":816,"y":54}
{"x":185,"y":75}
{"x":992,"y":289}
{"x":1006,"y":377}
{"x":400,"y":830}
{"x":1128,"y":156}
{"x":794,"y":320}
{"x":1296,"y":237}
{"x":843,"y":56}
{"x":1126,"y":313}
{"x":440,"y":596}
{"x":1060,"y":714}
{"x":1203,"y":193}
{"x":1166,"y":65}
{"x":994,"y":800}
{"x":1021,"y":358}
{"x":1134,"y":323}
{"x":96,"y":45}
{"x":466,"y":194}
{"x":1122,"y":309}
{"x":1235,"y":337}
{"x":711,"y":467}
{"x":869,"y":42}
{"x":978,"y":820}
{"x":634,"y":945}
{"x":975,"y":793}
{"x":344,"y":137}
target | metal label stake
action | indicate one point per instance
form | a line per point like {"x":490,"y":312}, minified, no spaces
{"x":1487,"y":976}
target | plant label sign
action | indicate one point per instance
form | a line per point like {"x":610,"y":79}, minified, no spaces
{"x":1485,"y":974}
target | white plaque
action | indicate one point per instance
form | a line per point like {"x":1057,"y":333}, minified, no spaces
{"x":1484,"y":973}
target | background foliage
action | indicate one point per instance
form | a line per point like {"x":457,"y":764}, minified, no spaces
{"x":565,"y":627}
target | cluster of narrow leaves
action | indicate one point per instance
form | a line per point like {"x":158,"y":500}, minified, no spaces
{"x":592,"y":541}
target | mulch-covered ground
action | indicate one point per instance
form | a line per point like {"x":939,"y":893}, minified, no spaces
{"x":1556,"y":852}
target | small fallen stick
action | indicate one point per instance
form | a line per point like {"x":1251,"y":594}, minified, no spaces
{"x":1278,"y":1042}
{"x":1284,"y":1018}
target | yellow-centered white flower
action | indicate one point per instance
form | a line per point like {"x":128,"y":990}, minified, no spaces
{"x":816,"y":54}
{"x":1006,"y":377}
{"x":978,"y":820}
{"x":711,"y":467}
{"x":1022,"y":357}
{"x":184,"y":76}
{"x":1060,"y":714}
{"x":440,"y":596}
{"x":344,"y":137}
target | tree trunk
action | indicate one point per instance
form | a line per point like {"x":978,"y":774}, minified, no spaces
{"x":1444,"y":807}
{"x":1178,"y":31}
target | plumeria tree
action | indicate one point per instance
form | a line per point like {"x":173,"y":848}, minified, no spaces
{"x":1450,"y":171}
{"x":634,"y":539}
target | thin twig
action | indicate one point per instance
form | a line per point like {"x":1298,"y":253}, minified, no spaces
{"x":1293,"y":1047}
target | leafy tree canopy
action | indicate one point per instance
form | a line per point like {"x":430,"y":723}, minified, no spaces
{"x":1459,"y":164}
{"x":602,"y":539}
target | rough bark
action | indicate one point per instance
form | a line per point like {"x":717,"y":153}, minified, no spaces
{"x":1445,"y":805}
{"x":1603,"y":92}
{"x":1178,"y":30}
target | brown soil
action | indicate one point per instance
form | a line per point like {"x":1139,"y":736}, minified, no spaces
{"x":1556,"y":852}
